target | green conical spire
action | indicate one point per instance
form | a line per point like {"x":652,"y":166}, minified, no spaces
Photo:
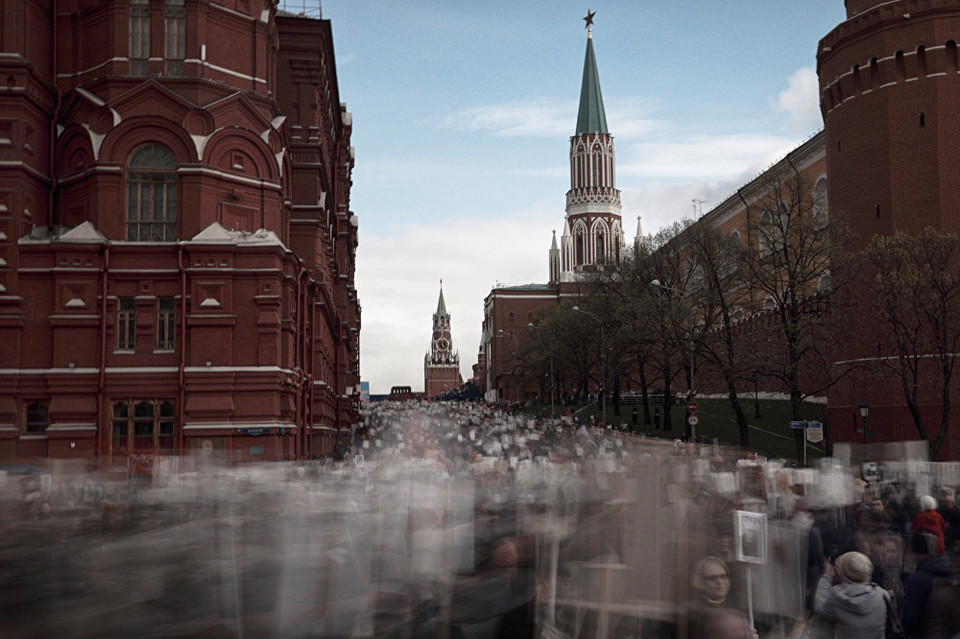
{"x":591,"y":118}
{"x":441,"y":306}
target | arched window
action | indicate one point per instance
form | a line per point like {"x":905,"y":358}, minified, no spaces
{"x":601,"y":249}
{"x":152,"y":195}
{"x":825,"y":283}
{"x":578,"y":241}
{"x":597,"y":168}
{"x":821,"y":216}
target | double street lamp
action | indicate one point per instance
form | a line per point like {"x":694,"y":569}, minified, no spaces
{"x":603,"y":371}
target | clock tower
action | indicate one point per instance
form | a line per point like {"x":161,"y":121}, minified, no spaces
{"x":441,"y":364}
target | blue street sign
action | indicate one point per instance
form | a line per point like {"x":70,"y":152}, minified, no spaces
{"x":805,"y":424}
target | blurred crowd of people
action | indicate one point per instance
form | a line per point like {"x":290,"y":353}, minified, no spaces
{"x":451,"y":519}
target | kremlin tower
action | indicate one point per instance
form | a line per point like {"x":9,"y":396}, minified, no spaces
{"x":441,"y":364}
{"x":592,"y":230}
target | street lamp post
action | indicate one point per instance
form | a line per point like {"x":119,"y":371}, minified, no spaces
{"x":530,"y":326}
{"x":603,"y":371}
{"x":756,"y":399}
{"x":516,"y":353}
{"x":864,"y":411}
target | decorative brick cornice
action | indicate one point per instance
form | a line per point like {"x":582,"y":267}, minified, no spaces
{"x":593,"y":194}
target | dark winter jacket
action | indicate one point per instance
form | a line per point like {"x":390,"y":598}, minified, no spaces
{"x":931,"y":570}
{"x":859,"y":611}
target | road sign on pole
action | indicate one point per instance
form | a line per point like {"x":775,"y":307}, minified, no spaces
{"x":815,"y":433}
{"x":692,"y":407}
{"x":693,"y":420}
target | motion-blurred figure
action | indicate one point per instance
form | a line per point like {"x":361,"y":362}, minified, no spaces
{"x":712,"y":616}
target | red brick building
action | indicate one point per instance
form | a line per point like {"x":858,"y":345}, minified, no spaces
{"x":176,"y":243}
{"x":890,"y":97}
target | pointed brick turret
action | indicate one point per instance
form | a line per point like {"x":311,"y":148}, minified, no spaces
{"x":593,"y":234}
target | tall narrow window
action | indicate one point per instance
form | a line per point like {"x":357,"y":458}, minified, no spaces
{"x":165,"y":430}
{"x":152,"y":195}
{"x":126,"y":323}
{"x":121,"y":435}
{"x":578,"y":241}
{"x":139,"y":36}
{"x":601,"y":249}
{"x":166,"y":323}
{"x":174,"y":47}
{"x":597,"y":169}
{"x":36,"y":421}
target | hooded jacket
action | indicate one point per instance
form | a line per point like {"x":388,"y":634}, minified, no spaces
{"x":859,"y":611}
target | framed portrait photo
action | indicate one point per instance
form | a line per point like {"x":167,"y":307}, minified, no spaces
{"x":751,"y":534}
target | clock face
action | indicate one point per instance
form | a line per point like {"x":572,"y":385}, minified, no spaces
{"x":442,"y":344}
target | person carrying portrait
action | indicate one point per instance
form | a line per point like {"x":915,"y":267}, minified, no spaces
{"x":712,"y":614}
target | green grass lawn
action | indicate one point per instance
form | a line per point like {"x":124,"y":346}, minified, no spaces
{"x":770,"y":434}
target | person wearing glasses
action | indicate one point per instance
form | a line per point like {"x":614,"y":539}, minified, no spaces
{"x":712,"y":616}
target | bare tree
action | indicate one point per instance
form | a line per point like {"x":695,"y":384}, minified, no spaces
{"x":917,"y":297}
{"x":787,"y":258}
{"x":719,"y":284}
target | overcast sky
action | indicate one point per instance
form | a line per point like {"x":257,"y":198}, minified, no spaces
{"x":463,"y":113}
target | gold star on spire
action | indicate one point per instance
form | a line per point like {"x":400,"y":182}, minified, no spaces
{"x":589,"y":21}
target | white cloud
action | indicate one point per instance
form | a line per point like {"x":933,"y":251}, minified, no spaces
{"x":537,"y":118}
{"x":800,"y":101}
{"x":702,"y":157}
{"x":551,"y":118}
{"x":660,"y":204}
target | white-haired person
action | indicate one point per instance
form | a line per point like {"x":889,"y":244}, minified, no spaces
{"x":845,"y":596}
{"x":928,"y":520}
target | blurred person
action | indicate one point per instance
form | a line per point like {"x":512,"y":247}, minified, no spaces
{"x":951,"y":514}
{"x":894,"y":508}
{"x":874,"y":519}
{"x":932,"y":569}
{"x":837,"y":537}
{"x":930,"y":521}
{"x":943,"y":612}
{"x":887,"y":558}
{"x":712,"y":616}
{"x":857,"y":607}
